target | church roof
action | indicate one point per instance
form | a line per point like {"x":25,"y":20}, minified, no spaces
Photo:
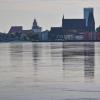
{"x":73,"y":23}
{"x":15,"y":29}
{"x":56,"y":30}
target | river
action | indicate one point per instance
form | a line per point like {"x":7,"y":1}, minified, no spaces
{"x":50,"y":71}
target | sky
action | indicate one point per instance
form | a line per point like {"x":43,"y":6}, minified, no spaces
{"x":47,"y":12}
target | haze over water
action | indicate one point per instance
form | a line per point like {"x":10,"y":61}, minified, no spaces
{"x":49,"y":71}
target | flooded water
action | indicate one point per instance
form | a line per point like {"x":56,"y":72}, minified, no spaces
{"x":50,"y":71}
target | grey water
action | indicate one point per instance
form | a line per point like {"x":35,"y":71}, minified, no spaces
{"x":50,"y":71}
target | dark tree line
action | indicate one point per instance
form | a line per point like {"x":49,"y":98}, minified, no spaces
{"x":4,"y":37}
{"x":98,"y":29}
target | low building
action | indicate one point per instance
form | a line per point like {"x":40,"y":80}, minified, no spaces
{"x":56,"y":34}
{"x":15,"y":30}
{"x":98,"y":36}
{"x":44,"y":36}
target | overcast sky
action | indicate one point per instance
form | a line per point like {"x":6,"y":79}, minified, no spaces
{"x":47,"y":12}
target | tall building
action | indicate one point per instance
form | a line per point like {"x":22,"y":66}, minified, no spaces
{"x":35,"y":27}
{"x":87,"y":11}
{"x":91,"y":23}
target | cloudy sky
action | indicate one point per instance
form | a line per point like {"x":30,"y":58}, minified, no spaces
{"x":47,"y":12}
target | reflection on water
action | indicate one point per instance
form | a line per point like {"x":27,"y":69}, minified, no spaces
{"x":16,"y":54}
{"x":35,"y":53}
{"x":77,"y":56}
{"x":89,"y":60}
{"x":49,"y":71}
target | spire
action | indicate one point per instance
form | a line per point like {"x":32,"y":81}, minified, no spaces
{"x":35,"y":23}
{"x":63,"y":16}
{"x":63,"y":21}
{"x":35,"y":27}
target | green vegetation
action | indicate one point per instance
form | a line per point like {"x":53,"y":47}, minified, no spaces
{"x":4,"y":37}
{"x":98,"y":29}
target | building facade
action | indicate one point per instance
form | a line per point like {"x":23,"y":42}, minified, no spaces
{"x":74,"y":29}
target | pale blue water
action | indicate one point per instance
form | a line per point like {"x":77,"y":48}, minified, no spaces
{"x":50,"y":71}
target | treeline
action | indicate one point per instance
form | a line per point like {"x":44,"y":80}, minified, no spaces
{"x":98,"y":29}
{"x":4,"y":37}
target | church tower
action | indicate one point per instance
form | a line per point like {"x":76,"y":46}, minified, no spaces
{"x":89,"y":19}
{"x":34,"y":24}
{"x":91,"y":23}
{"x":35,"y":27}
{"x":87,"y":11}
{"x":62,"y":21}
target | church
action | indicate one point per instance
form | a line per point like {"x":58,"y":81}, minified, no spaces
{"x":72,"y":28}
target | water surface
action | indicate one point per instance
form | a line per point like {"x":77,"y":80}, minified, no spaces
{"x":50,"y":71}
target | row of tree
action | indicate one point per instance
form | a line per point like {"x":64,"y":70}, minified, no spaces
{"x":98,"y":29}
{"x":4,"y":37}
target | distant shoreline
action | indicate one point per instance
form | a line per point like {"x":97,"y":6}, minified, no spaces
{"x":44,"y":41}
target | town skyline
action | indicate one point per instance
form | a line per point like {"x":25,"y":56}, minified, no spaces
{"x":21,"y":12}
